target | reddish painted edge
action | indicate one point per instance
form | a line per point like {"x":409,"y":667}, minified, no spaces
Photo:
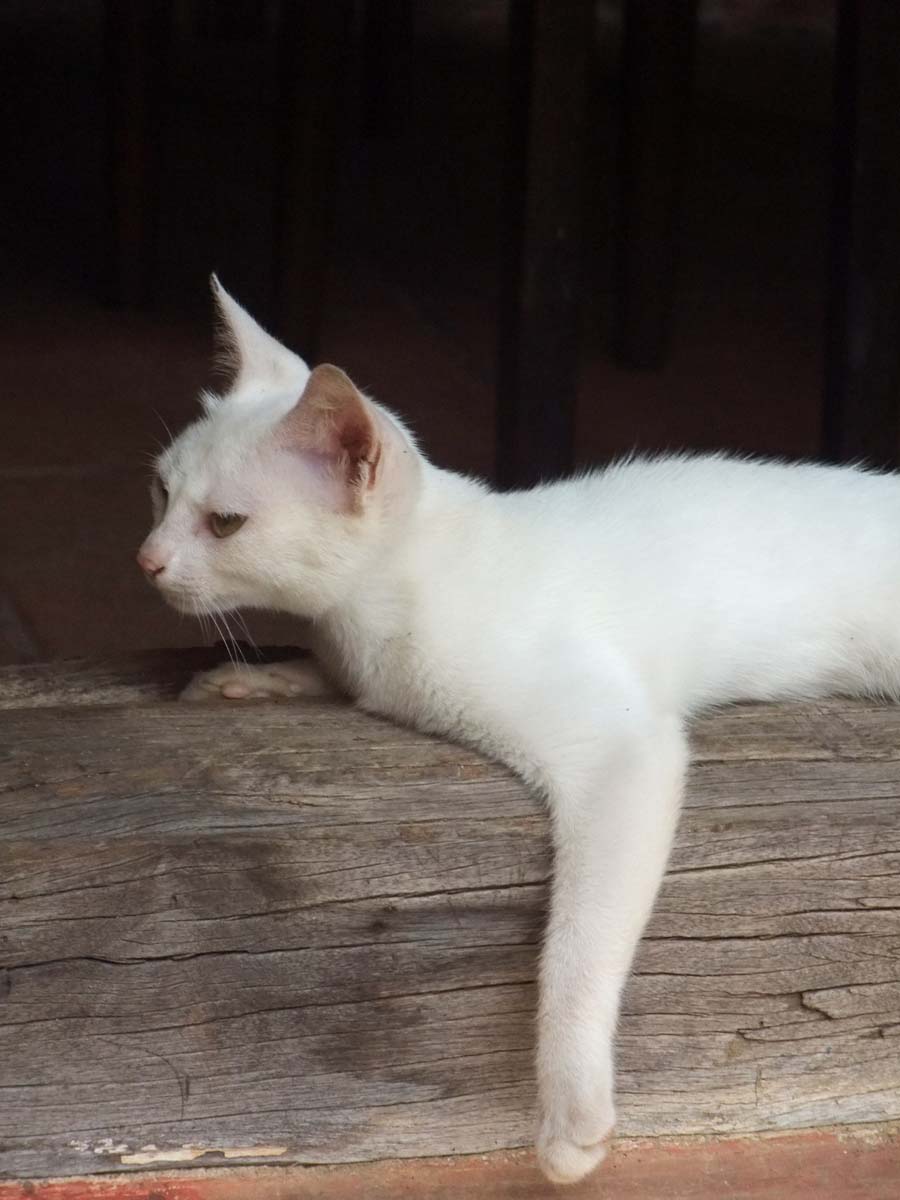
{"x":856,"y":1163}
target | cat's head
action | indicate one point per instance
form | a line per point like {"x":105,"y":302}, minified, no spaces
{"x":282,"y":491}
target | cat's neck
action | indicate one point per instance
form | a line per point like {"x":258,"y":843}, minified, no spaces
{"x":379,"y":601}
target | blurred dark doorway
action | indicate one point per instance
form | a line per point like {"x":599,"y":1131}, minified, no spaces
{"x":408,"y":299}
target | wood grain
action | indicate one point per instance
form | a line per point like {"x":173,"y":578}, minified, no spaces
{"x":300,"y":930}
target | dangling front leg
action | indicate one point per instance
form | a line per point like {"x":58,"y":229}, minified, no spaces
{"x":614,"y":807}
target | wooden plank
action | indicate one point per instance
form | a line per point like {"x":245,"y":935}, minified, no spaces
{"x":297,"y":928}
{"x":550,"y":45}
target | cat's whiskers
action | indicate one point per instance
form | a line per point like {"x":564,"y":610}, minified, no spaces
{"x":239,"y":617}
{"x":204,"y":624}
{"x":153,"y":456}
{"x":236,"y":645}
{"x":204,"y":609}
{"x":224,"y":639}
{"x":200,"y":613}
{"x":206,"y":614}
{"x":165,"y":427}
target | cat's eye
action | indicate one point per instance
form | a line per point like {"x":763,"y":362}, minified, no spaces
{"x":158,"y":495}
{"x":223,"y":525}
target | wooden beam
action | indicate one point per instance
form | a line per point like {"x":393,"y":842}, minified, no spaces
{"x":314,"y":62}
{"x":388,"y":52}
{"x":137,"y":35}
{"x":295,"y":933}
{"x":862,"y":398}
{"x":657,"y":81}
{"x":550,"y":45}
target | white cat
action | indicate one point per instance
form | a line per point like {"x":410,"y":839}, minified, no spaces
{"x":569,"y":631}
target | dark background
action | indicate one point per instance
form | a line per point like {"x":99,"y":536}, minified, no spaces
{"x":409,"y":303}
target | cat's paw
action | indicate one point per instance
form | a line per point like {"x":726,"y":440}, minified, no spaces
{"x":258,"y":681}
{"x":573,"y":1143}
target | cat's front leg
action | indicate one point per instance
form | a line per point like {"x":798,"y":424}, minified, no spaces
{"x":259,"y":681}
{"x":614,"y":807}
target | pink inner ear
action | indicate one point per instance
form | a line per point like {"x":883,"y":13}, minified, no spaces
{"x":354,"y":434}
{"x":333,"y":419}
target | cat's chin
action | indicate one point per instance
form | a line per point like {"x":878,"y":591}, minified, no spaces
{"x":181,"y":603}
{"x":193,"y":606}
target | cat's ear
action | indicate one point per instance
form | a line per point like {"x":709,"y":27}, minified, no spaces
{"x":334,"y":421}
{"x":256,"y":359}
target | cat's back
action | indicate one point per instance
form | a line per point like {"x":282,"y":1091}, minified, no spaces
{"x":726,"y":507}
{"x":675,"y":486}
{"x":671,"y":524}
{"x":714,"y":577}
{"x":702,"y":556}
{"x":732,"y":577}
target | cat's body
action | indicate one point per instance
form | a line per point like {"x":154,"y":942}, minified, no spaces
{"x":709,"y":579}
{"x":569,"y":631}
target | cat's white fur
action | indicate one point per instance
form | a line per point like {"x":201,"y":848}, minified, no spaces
{"x":569,"y":631}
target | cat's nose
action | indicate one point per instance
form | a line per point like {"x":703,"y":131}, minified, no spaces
{"x":150,"y":565}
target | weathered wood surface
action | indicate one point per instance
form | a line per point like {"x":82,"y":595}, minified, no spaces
{"x":152,"y":675}
{"x":295,"y":933}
